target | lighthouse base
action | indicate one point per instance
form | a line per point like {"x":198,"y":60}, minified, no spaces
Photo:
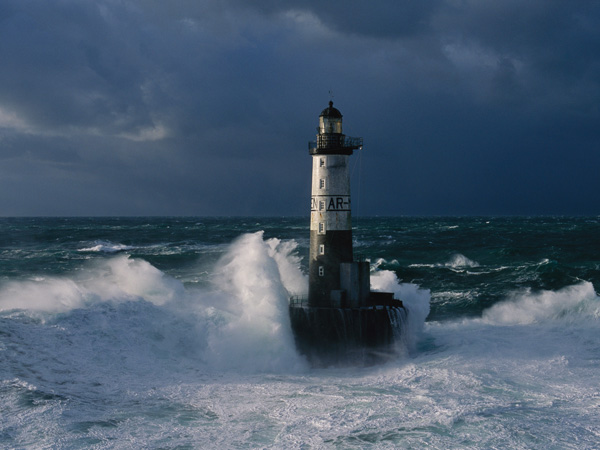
{"x":347,"y":336}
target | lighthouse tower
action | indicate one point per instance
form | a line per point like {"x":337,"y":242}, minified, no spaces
{"x":342,"y":322}
{"x":330,"y":218}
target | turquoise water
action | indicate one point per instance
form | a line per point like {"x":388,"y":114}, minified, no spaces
{"x":173,"y":333}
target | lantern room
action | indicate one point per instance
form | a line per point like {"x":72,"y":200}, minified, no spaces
{"x":330,"y":120}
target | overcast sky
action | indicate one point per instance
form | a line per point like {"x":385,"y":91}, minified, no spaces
{"x":205,"y":107}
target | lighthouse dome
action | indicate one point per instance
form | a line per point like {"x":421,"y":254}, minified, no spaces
{"x":330,"y":120}
{"x":331,"y":112}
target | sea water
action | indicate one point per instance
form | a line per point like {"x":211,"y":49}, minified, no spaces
{"x":174,"y":333}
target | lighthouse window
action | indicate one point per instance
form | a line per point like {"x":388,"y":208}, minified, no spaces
{"x":321,"y":271}
{"x":321,"y":205}
{"x":322,"y":162}
{"x":322,"y":183}
{"x":321,"y":227}
{"x":322,"y":249}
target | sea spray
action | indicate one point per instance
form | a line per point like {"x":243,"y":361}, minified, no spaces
{"x":527,"y":331}
{"x":240,"y":323}
{"x":288,"y":263}
{"x":458,"y":261}
{"x":257,"y":336}
{"x":571,"y":303}
{"x":115,"y":279}
{"x":415,"y":300}
{"x":43,"y":294}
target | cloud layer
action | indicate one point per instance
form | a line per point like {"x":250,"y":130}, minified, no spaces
{"x":205,"y":107}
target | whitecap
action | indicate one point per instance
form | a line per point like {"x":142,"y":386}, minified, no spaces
{"x":382,"y":261}
{"x":116,"y":279}
{"x":106,"y":247}
{"x":526,"y":307}
{"x":457,"y":261}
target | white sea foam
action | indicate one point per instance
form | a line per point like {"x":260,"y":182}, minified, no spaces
{"x":54,"y":294}
{"x":528,"y":364}
{"x":460,"y":261}
{"x":117,"y":279}
{"x":106,"y":247}
{"x":526,"y":307}
{"x":382,"y":261}
{"x":415,"y":299}
{"x":456,"y":262}
{"x":243,"y":319}
{"x":134,"y":360}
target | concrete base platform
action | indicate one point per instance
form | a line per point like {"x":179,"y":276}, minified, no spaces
{"x":347,"y":336}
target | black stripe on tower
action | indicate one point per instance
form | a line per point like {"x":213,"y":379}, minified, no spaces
{"x":324,"y":269}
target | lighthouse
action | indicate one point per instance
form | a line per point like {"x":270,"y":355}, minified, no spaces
{"x":342,"y":321}
{"x":330,"y":213}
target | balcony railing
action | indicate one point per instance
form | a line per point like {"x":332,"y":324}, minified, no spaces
{"x":335,"y":141}
{"x":354,"y":142}
{"x":330,"y":140}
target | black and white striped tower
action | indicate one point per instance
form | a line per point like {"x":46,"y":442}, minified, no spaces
{"x":344,"y":322}
{"x":330,"y":215}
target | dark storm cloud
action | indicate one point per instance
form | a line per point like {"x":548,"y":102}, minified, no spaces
{"x":384,"y":18}
{"x":70,"y":66}
{"x":205,"y":107}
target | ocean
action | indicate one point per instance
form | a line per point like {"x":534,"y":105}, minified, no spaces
{"x":173,"y":333}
